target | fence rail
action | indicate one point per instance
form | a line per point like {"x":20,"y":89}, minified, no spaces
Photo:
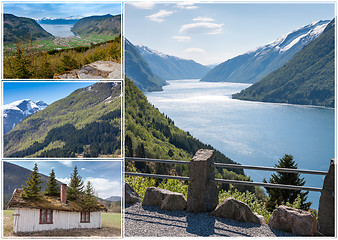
{"x":227,"y":181}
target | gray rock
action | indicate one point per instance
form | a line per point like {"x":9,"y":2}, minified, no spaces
{"x":155,"y":196}
{"x":164,"y":199}
{"x":95,"y":70}
{"x":326,"y":209}
{"x":261,"y":218}
{"x":131,"y":196}
{"x":202,"y":192}
{"x":236,"y":210}
{"x":297,"y":221}
{"x":174,"y":202}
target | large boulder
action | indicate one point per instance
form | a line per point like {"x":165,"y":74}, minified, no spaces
{"x":236,"y":210}
{"x":297,"y":221}
{"x":95,"y":70}
{"x":164,"y":199}
{"x":131,"y":196}
{"x":174,"y":202}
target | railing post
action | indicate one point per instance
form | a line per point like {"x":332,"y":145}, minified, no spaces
{"x":326,"y":209}
{"x":202,"y":192}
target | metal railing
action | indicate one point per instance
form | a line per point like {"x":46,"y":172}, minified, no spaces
{"x":227,"y":181}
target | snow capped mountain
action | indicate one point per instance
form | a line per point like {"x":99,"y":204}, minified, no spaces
{"x":65,"y":20}
{"x":171,"y":67}
{"x":252,"y":66}
{"x":15,"y":112}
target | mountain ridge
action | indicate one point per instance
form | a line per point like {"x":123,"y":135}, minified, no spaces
{"x":172,"y":67}
{"x":307,"y":79}
{"x":139,"y":71}
{"x":253,"y":65}
{"x":98,"y":25}
{"x":22,"y":29}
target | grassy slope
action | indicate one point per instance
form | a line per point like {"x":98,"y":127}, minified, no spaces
{"x":98,"y":25}
{"x":308,"y":78}
{"x":81,"y":107}
{"x":21,"y":29}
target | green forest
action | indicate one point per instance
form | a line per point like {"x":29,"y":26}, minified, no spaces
{"x":25,"y":63}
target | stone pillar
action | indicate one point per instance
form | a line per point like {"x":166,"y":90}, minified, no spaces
{"x":326,"y":209}
{"x":202,"y":193}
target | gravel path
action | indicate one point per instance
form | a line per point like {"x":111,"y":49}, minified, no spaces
{"x":142,"y":221}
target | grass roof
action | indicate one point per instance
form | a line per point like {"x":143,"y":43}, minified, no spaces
{"x":53,"y":203}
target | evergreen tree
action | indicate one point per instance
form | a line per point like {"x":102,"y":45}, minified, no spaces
{"x":21,"y":65}
{"x":33,"y":188}
{"x":89,"y":197}
{"x":282,"y":196}
{"x":52,"y":188}
{"x":129,"y":146}
{"x":75,"y":188}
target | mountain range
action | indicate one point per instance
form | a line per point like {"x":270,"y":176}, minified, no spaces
{"x":108,"y":25}
{"x":139,"y":71}
{"x":308,"y":78}
{"x":87,"y":123}
{"x":15,"y":112}
{"x":256,"y":64}
{"x":171,"y":67}
{"x":66,"y":20}
{"x":21,"y":29}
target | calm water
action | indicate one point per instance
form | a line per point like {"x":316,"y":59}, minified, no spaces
{"x":251,"y":133}
{"x":59,"y":30}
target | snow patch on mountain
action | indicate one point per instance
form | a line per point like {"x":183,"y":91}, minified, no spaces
{"x":15,"y":112}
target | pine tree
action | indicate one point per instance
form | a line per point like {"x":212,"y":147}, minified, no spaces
{"x":89,"y":197}
{"x":21,"y":65}
{"x":52,"y":188}
{"x":75,"y":188}
{"x":33,"y":188}
{"x":282,"y":196}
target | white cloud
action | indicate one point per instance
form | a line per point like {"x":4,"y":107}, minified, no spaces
{"x":104,"y":187}
{"x":67,"y":163}
{"x":186,"y":5}
{"x":83,"y":169}
{"x":194,"y":50}
{"x":159,"y":16}
{"x":64,"y":180}
{"x":143,"y":5}
{"x":202,"y":28}
{"x":204,"y":19}
{"x":182,"y":38}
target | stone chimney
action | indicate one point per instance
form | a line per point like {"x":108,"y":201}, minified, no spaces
{"x":63,"y":193}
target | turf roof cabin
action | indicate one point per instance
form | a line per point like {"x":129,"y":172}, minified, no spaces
{"x":50,"y":213}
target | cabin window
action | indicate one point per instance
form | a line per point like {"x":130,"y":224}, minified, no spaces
{"x":46,"y":216}
{"x":85,"y":217}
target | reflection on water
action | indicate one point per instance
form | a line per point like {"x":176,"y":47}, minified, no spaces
{"x":59,"y":30}
{"x":251,"y":133}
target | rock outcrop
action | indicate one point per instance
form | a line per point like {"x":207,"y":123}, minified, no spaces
{"x":165,"y":199}
{"x":297,"y":221}
{"x":131,"y":196}
{"x":236,"y":210}
{"x":95,"y":70}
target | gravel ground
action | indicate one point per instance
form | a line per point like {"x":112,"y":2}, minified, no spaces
{"x":142,"y":221}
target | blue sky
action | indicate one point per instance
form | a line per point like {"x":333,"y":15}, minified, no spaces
{"x":211,"y":33}
{"x":46,"y":91}
{"x":60,"y":10}
{"x":104,"y":175}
